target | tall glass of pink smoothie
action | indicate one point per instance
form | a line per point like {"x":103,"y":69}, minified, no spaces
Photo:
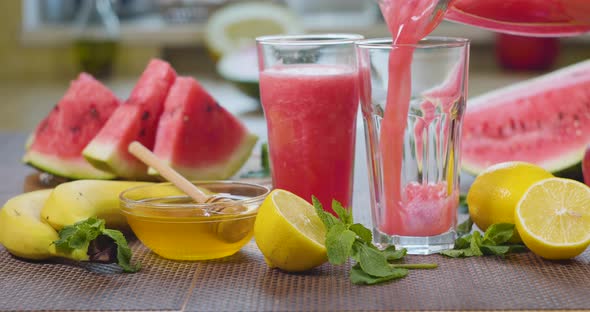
{"x":309,"y":93}
{"x":413,"y":99}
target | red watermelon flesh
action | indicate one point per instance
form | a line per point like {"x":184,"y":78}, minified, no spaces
{"x":545,"y":121}
{"x":57,"y":143}
{"x":137,"y":119}
{"x":198,"y":137}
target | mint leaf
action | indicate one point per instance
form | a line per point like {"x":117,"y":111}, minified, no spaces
{"x":344,"y":214}
{"x":345,"y":239}
{"x":463,"y":208}
{"x":360,"y":277}
{"x":463,"y":242}
{"x":516,"y":248}
{"x":123,"y":251}
{"x":264,"y":164}
{"x":498,"y":233}
{"x":493,"y":242}
{"x":75,"y":240}
{"x":494,"y":250}
{"x":391,"y":254}
{"x":264,"y":159}
{"x":79,"y":235}
{"x":465,"y":227}
{"x":475,"y":242}
{"x":363,"y":233}
{"x":339,"y":242}
{"x":327,"y":218}
{"x":454,"y":253}
{"x":373,"y":262}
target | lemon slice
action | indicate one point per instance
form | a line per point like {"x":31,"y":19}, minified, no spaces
{"x":237,"y":25}
{"x":553,"y":218}
{"x":289,"y":233}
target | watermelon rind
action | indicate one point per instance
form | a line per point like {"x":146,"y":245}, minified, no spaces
{"x":73,"y":169}
{"x":568,"y":163}
{"x":106,"y":157}
{"x":567,"y":166}
{"x":225,"y":169}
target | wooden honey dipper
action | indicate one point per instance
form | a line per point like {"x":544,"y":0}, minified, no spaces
{"x":147,"y":157}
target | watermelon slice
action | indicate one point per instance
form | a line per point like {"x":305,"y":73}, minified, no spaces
{"x":198,"y":137}
{"x":545,"y":121}
{"x":137,"y":119}
{"x":57,"y":143}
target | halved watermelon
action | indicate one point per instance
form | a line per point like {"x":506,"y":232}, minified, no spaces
{"x":545,"y":121}
{"x":57,"y":143}
{"x":198,"y":137}
{"x":137,"y":119}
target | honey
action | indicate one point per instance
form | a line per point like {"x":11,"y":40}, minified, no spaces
{"x":174,"y":227}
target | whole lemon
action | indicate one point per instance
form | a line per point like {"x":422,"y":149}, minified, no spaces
{"x":494,"y":195}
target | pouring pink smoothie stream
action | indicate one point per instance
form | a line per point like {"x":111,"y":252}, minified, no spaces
{"x":422,"y":209}
{"x":416,"y":209}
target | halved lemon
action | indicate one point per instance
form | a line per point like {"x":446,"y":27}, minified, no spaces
{"x":553,"y":218}
{"x":237,"y":25}
{"x":289,"y":233}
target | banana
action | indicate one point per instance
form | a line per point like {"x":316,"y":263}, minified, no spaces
{"x":22,"y":232}
{"x":79,"y":200}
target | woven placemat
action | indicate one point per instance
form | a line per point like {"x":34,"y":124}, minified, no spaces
{"x":243,"y":282}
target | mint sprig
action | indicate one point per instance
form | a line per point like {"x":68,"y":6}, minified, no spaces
{"x":89,"y":236}
{"x":346,"y":239}
{"x":494,"y":242}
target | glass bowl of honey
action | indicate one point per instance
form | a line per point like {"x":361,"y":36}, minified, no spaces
{"x":174,"y":226}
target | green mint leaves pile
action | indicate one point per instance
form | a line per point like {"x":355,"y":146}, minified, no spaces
{"x":495,"y":241}
{"x":346,"y":239}
{"x":91,"y":237}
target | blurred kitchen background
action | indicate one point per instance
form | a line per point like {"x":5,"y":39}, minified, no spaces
{"x":45,"y":43}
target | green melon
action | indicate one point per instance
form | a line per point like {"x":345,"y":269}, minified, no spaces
{"x":545,"y":121}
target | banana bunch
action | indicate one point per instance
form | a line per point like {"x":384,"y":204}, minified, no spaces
{"x":29,"y":223}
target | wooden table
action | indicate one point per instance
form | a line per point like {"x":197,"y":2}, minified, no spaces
{"x":244,"y":283}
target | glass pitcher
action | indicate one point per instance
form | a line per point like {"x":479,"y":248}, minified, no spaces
{"x":546,"y":18}
{"x":540,"y":18}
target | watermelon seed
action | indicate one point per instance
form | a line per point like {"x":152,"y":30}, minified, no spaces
{"x":209,"y":108}
{"x":145,"y":115}
{"x":142,"y":132}
{"x":75,"y":129}
{"x":93,"y":112}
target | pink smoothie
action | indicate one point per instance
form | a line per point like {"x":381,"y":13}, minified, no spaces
{"x":408,"y":21}
{"x":311,"y":117}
